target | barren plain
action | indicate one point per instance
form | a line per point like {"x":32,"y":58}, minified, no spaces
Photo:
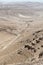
{"x":21,"y":33}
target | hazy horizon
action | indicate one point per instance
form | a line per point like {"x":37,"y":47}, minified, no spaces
{"x":21,"y":0}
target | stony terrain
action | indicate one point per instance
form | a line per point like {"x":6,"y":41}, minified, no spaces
{"x":21,"y":33}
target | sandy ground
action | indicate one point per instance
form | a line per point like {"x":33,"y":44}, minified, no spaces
{"x":21,"y":34}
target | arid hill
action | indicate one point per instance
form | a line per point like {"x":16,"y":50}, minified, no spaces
{"x":21,"y":33}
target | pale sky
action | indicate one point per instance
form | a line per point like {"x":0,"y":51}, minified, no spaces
{"x":21,"y":0}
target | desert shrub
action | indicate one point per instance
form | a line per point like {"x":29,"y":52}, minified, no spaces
{"x":41,"y":54}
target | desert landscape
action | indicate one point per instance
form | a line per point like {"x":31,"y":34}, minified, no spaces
{"x":21,"y":33}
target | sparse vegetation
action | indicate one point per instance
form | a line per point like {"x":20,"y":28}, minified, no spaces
{"x":21,"y":33}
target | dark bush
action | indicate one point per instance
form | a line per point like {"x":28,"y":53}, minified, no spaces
{"x":41,"y":54}
{"x":37,"y":41}
{"x":41,"y":45}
